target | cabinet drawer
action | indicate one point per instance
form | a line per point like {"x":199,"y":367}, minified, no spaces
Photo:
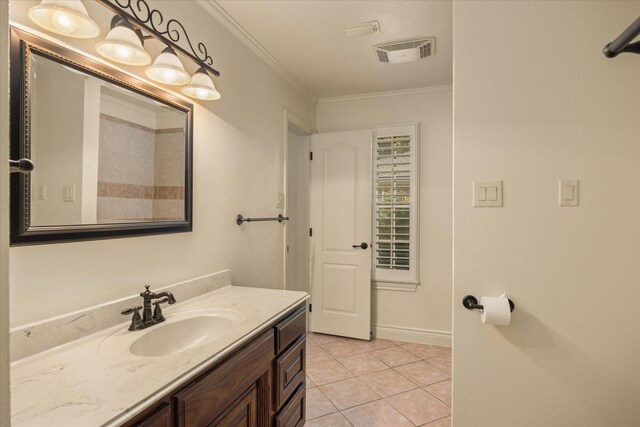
{"x":290,"y":371}
{"x":160,"y":417}
{"x":205,"y":400}
{"x":293,"y":414}
{"x":290,"y":329}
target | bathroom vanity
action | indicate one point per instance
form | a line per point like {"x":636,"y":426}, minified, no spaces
{"x":249,"y":370}
{"x":260,"y":384}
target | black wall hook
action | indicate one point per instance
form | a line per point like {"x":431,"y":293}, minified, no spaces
{"x":470,"y":303}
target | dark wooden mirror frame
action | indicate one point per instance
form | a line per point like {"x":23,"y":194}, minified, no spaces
{"x":22,"y":46}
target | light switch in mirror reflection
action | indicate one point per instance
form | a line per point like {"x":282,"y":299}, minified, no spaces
{"x":122,"y":154}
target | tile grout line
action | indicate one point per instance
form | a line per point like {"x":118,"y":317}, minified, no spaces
{"x":433,"y":421}
{"x":427,"y":391}
{"x":360,"y":404}
{"x":427,"y":384}
{"x":434,"y":394}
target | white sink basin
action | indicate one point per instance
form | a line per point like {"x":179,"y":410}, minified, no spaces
{"x":185,"y":331}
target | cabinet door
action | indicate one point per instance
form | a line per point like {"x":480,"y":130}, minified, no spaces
{"x":293,"y":414}
{"x":202,"y":402}
{"x":242,"y":413}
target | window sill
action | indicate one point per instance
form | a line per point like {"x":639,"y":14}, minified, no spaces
{"x":394,"y":286}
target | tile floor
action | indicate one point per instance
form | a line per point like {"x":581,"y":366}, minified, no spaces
{"x":380,"y":383}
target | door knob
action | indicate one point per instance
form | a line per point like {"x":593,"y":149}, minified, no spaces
{"x":362,"y":245}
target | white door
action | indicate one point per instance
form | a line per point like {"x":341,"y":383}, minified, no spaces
{"x":341,"y":233}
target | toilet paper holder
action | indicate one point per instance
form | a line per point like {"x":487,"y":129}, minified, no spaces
{"x":470,"y":303}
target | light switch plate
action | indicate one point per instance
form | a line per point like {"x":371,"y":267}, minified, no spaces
{"x":487,"y":194}
{"x":569,"y":193}
{"x":68,"y":193}
{"x":279,"y":200}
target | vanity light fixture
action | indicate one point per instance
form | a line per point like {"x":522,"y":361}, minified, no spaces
{"x":125,"y":41}
{"x":201,"y":87}
{"x":66,"y":17}
{"x":124,"y":44}
{"x":168,"y":69}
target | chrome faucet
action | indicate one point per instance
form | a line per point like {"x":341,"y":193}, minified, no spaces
{"x":148,"y":318}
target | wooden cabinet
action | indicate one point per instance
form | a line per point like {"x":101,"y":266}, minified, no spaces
{"x":206,"y":398}
{"x":159,"y":416}
{"x":290,"y":371}
{"x":242,"y":413}
{"x":292,"y":415}
{"x":290,"y":328}
{"x":261,"y":384}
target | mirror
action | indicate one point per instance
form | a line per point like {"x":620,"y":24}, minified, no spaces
{"x":112,"y":154}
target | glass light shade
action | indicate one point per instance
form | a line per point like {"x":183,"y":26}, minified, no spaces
{"x":123,"y":45}
{"x":66,"y":17}
{"x":168,"y":69}
{"x":201,"y":87}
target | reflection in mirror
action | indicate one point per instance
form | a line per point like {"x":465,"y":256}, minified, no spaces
{"x":104,"y":154}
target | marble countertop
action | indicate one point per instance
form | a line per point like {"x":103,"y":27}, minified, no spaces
{"x":96,"y":381}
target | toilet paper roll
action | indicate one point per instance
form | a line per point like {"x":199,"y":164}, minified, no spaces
{"x":496,"y":310}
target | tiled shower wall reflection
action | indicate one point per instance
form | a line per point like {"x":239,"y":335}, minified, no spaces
{"x":140,"y":172}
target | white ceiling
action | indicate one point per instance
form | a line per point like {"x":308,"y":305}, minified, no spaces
{"x":305,"y":37}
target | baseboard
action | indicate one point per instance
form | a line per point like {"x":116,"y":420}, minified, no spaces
{"x":415,"y":335}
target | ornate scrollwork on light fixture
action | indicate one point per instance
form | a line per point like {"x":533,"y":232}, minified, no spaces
{"x":171,"y":31}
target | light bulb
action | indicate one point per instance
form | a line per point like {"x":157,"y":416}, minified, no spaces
{"x":202,"y":93}
{"x":64,"y":23}
{"x":66,"y":17}
{"x":169,"y":76}
{"x":123,"y":53}
{"x":123,"y":44}
{"x":201,"y":87}
{"x":168,"y":69}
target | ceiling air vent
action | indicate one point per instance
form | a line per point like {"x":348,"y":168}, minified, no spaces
{"x":405,"y":51}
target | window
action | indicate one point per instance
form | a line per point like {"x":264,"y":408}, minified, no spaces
{"x":395,"y":209}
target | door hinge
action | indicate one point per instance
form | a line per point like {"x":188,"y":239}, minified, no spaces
{"x":311,"y":232}
{"x":310,"y":308}
{"x":310,"y":155}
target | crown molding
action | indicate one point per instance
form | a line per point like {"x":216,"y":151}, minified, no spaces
{"x":372,"y":95}
{"x":221,"y":15}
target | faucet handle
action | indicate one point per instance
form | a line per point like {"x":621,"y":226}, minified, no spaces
{"x":157,"y":311}
{"x":128,"y":311}
{"x":136,"y":320}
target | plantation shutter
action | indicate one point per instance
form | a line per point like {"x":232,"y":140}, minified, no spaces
{"x":395,"y":206}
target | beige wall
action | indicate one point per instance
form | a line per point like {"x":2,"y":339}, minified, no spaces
{"x":5,"y":408}
{"x":57,"y":138}
{"x":298,"y":212}
{"x":535,"y":102}
{"x":238,"y":168}
{"x":423,"y":315}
